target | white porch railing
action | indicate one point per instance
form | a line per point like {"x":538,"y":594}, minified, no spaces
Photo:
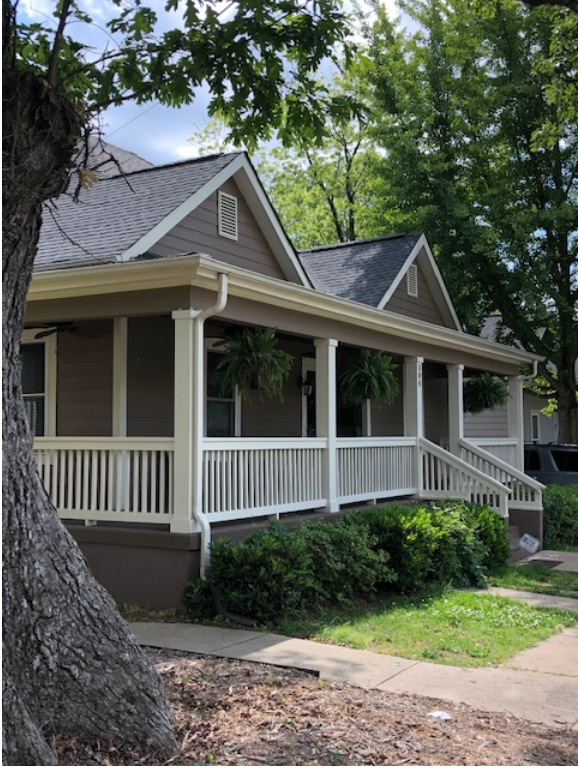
{"x":248,"y":477}
{"x":503,"y":448}
{"x":109,"y":479}
{"x":372,"y":468}
{"x":445,"y":476}
{"x":526,"y":493}
{"x":131,"y":479}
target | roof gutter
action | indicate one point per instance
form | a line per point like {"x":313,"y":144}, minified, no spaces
{"x":198,"y":433}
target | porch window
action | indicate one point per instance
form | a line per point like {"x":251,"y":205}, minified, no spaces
{"x":220,"y":403}
{"x":535,"y":426}
{"x":34,"y":386}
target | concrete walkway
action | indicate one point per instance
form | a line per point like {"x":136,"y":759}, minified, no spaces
{"x":540,"y":685}
{"x":558,"y":561}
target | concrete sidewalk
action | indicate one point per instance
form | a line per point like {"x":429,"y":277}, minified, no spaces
{"x":549,"y":696}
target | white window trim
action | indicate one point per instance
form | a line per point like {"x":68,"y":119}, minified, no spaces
{"x":237,"y":398}
{"x":50,"y":371}
{"x":412,"y":281}
{"x":535,"y":438}
{"x":227,"y":226}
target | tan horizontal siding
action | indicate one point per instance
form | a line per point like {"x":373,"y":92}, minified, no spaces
{"x":269,"y":417}
{"x":84,"y":381}
{"x":197,"y":233}
{"x":487,"y":424}
{"x":150,"y":377}
{"x":422,"y":307}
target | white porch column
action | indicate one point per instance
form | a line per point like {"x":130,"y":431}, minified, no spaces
{"x":455,"y":407}
{"x":186,"y":418}
{"x":413,"y":419}
{"x":119,"y":376}
{"x":516,"y":416}
{"x":366,"y":419}
{"x":326,"y":415}
{"x":413,"y":397}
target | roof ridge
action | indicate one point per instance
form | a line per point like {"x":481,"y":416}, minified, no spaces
{"x":364,"y":241}
{"x":188,"y":161}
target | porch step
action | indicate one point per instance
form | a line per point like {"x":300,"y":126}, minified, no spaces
{"x":516,"y":552}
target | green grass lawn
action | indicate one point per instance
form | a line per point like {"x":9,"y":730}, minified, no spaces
{"x":536,"y":578}
{"x":460,"y":628}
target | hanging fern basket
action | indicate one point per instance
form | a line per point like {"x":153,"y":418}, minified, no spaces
{"x":255,"y":362}
{"x":485,"y":392}
{"x":370,"y":377}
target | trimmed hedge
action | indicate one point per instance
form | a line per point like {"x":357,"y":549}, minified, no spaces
{"x":279,"y":571}
{"x":560,"y":516}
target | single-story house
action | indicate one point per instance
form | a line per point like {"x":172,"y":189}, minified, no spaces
{"x":145,"y":456}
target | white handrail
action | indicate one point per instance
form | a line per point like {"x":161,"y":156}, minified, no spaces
{"x":445,"y":478}
{"x":502,"y":465}
{"x":463,"y":465}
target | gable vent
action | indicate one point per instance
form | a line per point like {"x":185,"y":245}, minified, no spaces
{"x":227,"y":216}
{"x":412,"y":280}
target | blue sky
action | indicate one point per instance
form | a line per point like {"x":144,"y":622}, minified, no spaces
{"x":158,"y":133}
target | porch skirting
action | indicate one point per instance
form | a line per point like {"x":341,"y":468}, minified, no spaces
{"x":151,"y":567}
{"x":140,"y":567}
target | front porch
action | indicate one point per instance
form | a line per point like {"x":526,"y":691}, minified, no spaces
{"x":134,"y":434}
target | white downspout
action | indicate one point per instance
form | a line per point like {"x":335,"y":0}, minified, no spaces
{"x":198,"y":415}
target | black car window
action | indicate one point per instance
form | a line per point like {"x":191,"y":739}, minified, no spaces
{"x":532,"y":460}
{"x":566,"y":461}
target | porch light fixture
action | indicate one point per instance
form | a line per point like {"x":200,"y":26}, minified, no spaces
{"x":307,"y":384}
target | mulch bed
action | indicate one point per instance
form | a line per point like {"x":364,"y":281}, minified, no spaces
{"x":237,"y":713}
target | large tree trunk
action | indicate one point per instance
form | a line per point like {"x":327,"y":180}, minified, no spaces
{"x":70,"y":663}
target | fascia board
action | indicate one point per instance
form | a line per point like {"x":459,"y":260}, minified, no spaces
{"x":203,"y":271}
{"x":422,"y":246}
{"x":178,"y":214}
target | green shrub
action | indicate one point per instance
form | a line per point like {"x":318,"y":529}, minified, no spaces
{"x":429,"y":544}
{"x":345,"y":561}
{"x":459,"y":557}
{"x":262,"y":578}
{"x":490,"y":529}
{"x":408,"y":537}
{"x":560,"y":516}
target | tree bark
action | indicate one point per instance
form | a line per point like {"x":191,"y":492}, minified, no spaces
{"x":70,"y":663}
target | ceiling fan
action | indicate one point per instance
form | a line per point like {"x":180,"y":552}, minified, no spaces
{"x":48,"y":329}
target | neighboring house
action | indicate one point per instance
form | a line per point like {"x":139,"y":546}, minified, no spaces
{"x":143,"y":454}
{"x":538,"y":427}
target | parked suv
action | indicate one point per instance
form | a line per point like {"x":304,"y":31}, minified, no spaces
{"x":552,"y":463}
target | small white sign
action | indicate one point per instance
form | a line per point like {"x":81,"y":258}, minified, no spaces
{"x":529,"y":543}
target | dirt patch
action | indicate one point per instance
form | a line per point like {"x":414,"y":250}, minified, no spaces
{"x":237,"y":713}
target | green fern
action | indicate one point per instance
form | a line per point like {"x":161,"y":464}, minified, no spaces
{"x":370,"y":377}
{"x":485,"y":392}
{"x":255,"y":362}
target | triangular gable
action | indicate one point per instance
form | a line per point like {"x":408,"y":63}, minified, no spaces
{"x":241,"y":171}
{"x":422,"y":256}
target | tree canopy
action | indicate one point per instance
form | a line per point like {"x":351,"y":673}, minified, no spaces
{"x":481,"y":152}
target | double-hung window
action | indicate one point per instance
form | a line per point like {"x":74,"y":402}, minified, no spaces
{"x":221,"y":403}
{"x":33,"y":358}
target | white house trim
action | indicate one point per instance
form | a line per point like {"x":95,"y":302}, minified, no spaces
{"x":204,"y":271}
{"x":50,"y":375}
{"x":421,"y":253}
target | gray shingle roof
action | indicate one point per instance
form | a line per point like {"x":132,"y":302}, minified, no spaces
{"x":360,"y":271}
{"x":106,"y":159}
{"x":116,"y":212}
